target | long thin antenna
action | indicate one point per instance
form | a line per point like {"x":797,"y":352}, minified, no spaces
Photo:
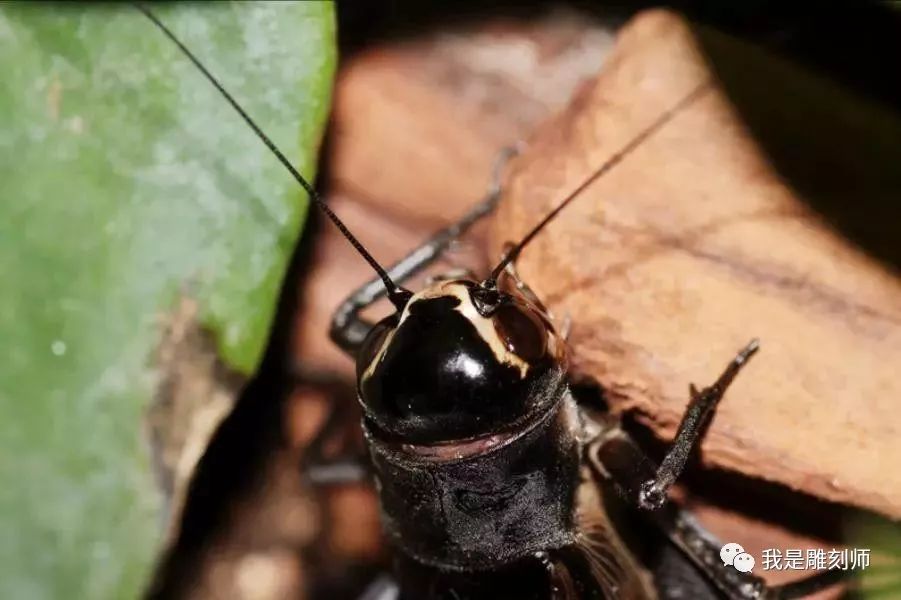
{"x":614,"y":160}
{"x":396,"y":294}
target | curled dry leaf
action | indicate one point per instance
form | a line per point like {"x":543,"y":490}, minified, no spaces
{"x":733,"y":221}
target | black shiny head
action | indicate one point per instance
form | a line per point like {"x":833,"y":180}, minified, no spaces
{"x":445,"y":371}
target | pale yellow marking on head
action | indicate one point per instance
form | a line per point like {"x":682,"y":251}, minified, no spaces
{"x":483,"y":325}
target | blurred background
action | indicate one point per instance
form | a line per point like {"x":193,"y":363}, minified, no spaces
{"x":425,"y":97}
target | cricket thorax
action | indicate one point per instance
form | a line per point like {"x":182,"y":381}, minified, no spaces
{"x":492,"y":508}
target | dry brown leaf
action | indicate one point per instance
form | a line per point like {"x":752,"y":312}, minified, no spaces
{"x":695,"y":244}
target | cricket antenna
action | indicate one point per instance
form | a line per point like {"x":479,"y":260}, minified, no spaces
{"x":398,"y":295}
{"x":513,"y":253}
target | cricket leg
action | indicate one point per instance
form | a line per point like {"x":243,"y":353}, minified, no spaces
{"x":704,"y":550}
{"x":615,"y":456}
{"x":652,"y":493}
{"x":348,"y":328}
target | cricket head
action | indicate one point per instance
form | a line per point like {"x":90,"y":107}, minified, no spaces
{"x":447,"y":368}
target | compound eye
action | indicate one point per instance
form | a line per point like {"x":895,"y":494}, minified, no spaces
{"x":522,"y":331}
{"x":374,"y":341}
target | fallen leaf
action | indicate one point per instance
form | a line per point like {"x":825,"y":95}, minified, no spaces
{"x":717,"y":230}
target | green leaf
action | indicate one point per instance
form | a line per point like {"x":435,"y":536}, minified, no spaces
{"x":130,"y":190}
{"x":882,"y":578}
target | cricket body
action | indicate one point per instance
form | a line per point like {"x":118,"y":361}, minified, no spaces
{"x":491,"y":475}
{"x":472,"y":445}
{"x":476,"y":444}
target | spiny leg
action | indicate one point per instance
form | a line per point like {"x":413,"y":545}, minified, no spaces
{"x":615,"y":456}
{"x":348,"y":329}
{"x":619,"y":458}
{"x":653,"y":491}
{"x":691,"y":537}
